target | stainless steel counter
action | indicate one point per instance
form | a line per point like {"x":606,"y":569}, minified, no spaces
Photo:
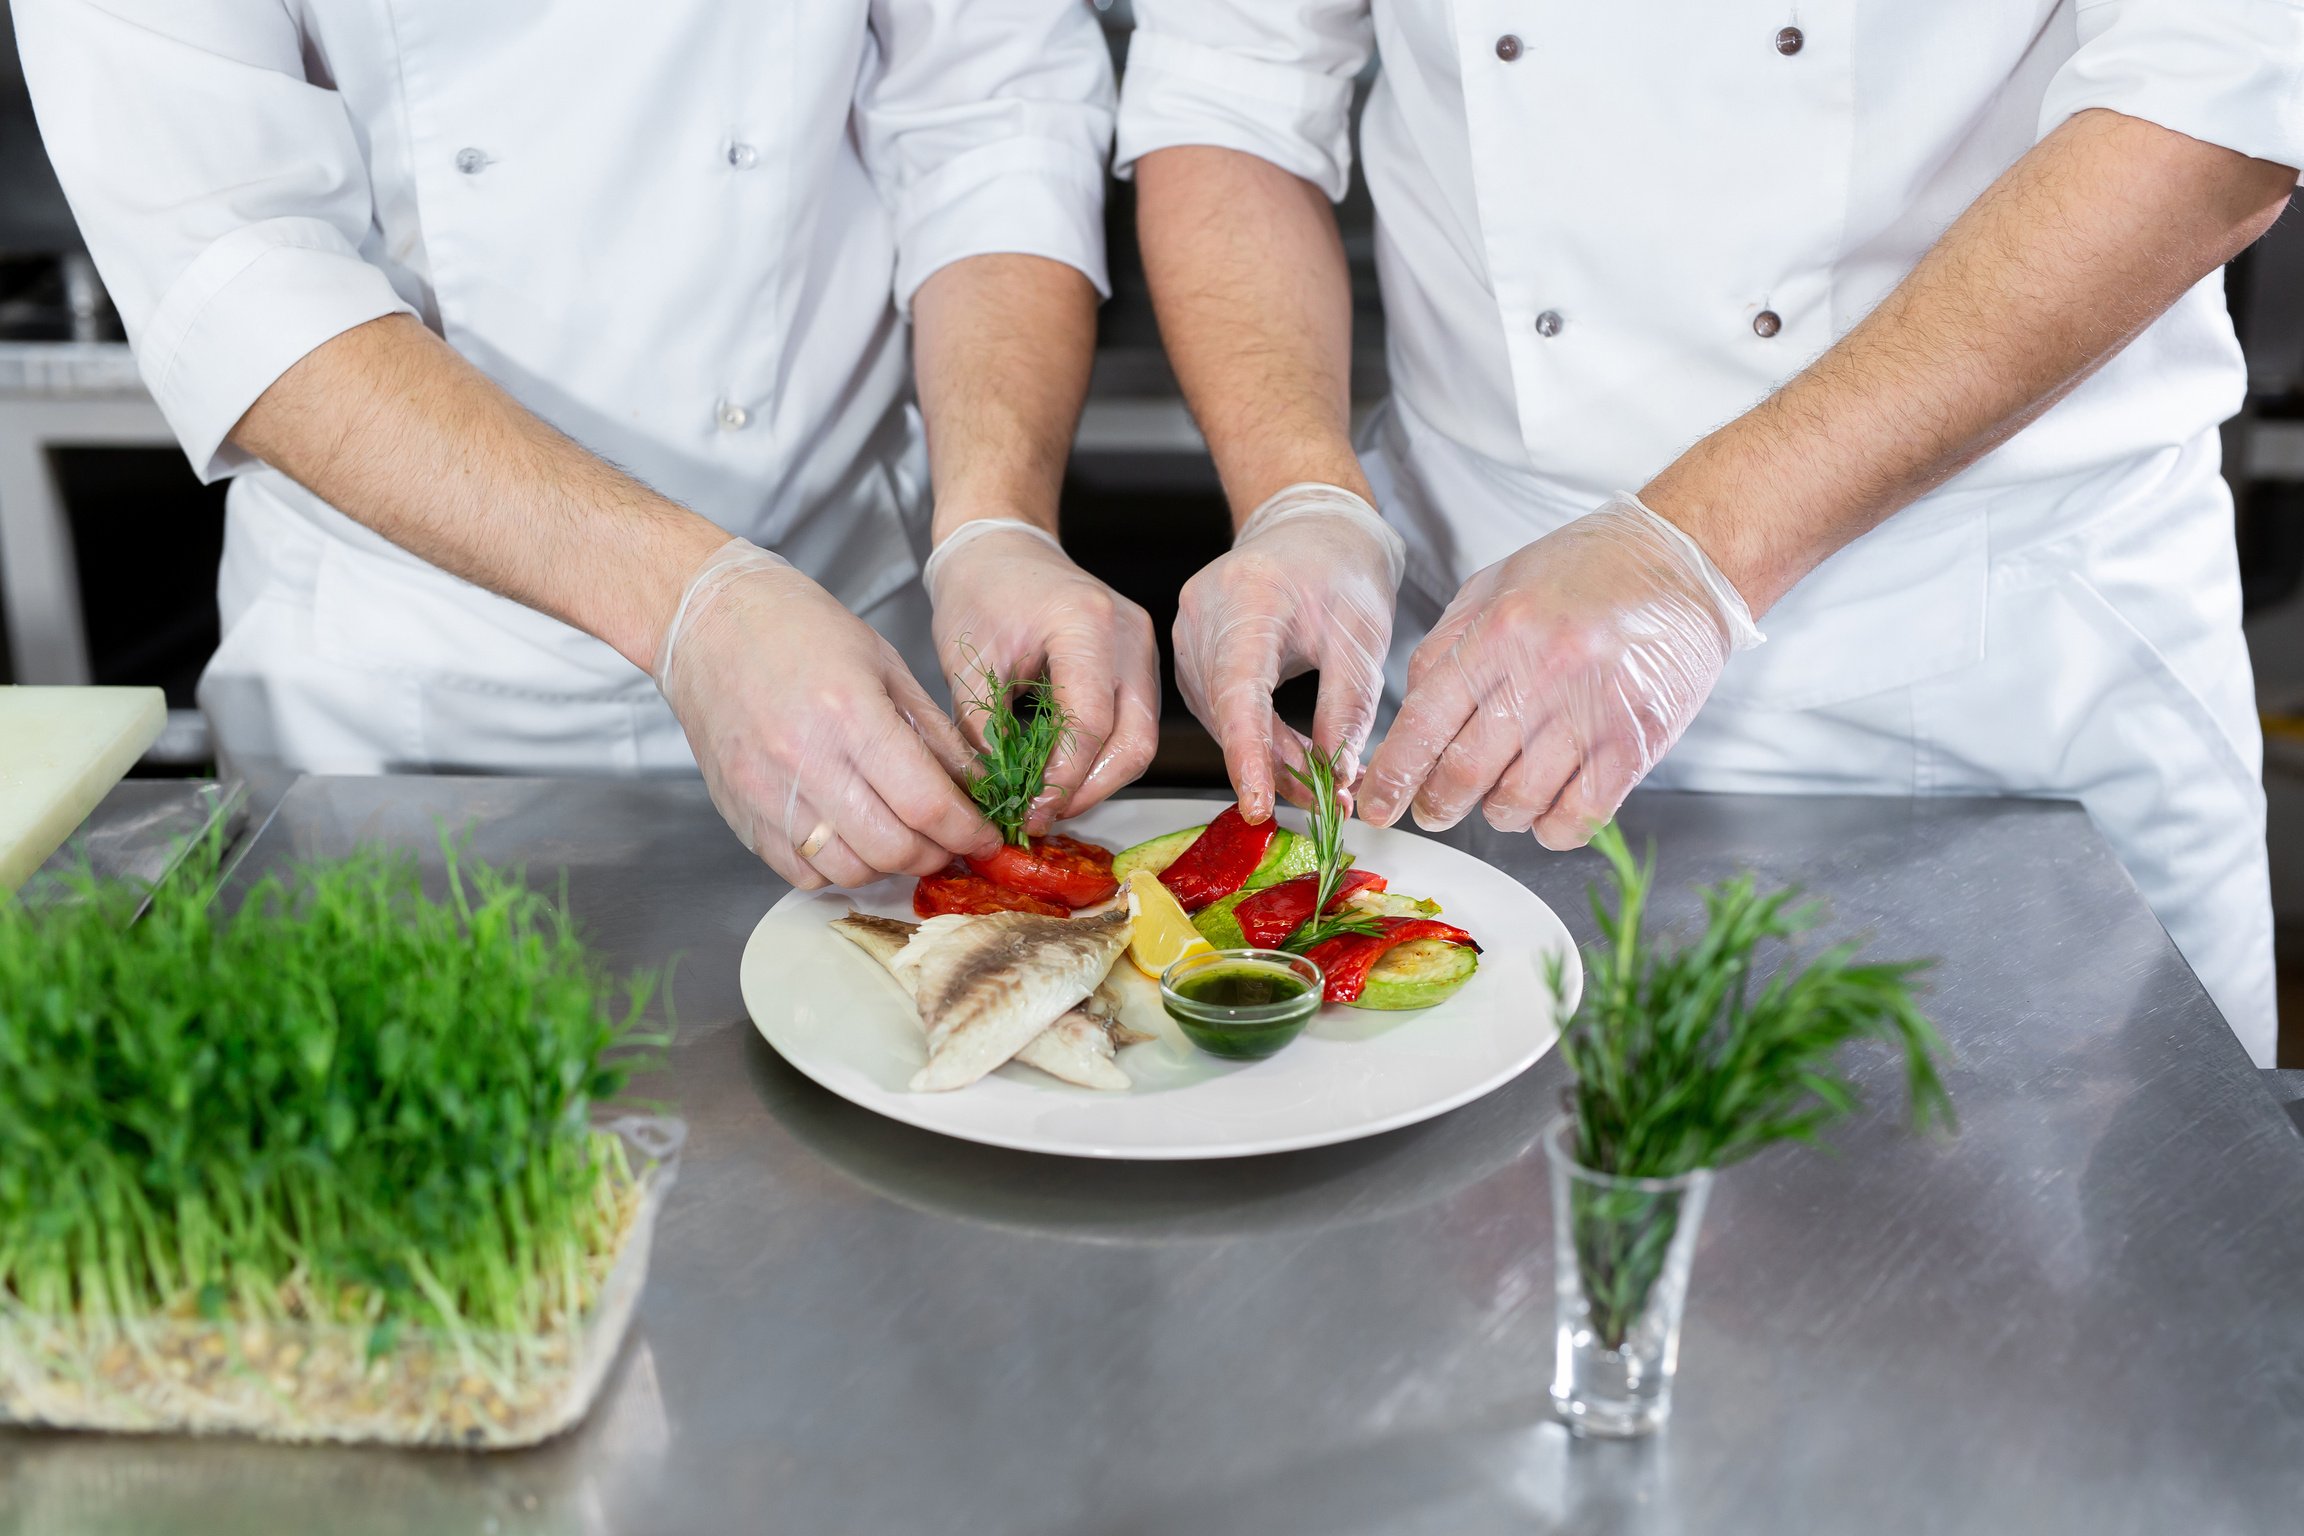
{"x":2084,"y":1315}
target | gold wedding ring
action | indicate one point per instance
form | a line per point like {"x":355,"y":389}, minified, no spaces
{"x":816,"y":841}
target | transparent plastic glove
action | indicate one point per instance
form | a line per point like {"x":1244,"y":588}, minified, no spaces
{"x":1007,"y":597}
{"x":819,"y":748}
{"x":1558,"y":677}
{"x":1310,"y":582}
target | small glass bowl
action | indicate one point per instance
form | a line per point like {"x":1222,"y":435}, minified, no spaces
{"x":1247,"y":1032}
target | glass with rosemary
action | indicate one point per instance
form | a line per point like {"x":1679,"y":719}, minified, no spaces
{"x":1690,"y":1057}
{"x":1622,"y":1249}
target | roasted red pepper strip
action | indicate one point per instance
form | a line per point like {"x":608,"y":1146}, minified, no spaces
{"x":1060,"y":869}
{"x":1220,"y":859}
{"x":1269,"y":916}
{"x":960,"y":889}
{"x":1347,"y":958}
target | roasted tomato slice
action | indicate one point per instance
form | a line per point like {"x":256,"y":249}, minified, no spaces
{"x":1102,"y":857}
{"x":1054,"y":869}
{"x":960,"y":889}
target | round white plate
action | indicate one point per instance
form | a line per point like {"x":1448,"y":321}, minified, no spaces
{"x":833,"y":1012}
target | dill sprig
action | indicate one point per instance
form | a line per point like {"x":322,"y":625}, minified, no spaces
{"x":1025,"y":725}
{"x":1685,"y":1058}
{"x":341,"y":1101}
{"x":1324,"y":825}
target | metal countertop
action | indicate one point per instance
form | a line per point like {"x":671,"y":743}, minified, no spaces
{"x":2086,"y":1314}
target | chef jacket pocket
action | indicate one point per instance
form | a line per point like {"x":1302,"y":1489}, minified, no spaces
{"x":382,"y":615}
{"x":495,"y":687}
{"x":1904,"y":603}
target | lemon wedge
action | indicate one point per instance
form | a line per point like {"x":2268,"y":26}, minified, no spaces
{"x":1163,"y":935}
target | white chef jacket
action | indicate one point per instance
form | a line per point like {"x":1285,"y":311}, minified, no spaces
{"x":1605,"y":230}
{"x":685,"y":233}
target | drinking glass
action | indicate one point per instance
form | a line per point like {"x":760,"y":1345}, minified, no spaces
{"x":1621,"y":1249}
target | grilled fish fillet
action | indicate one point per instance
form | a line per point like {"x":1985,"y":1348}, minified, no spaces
{"x":1078,"y":1047}
{"x":987,"y":985}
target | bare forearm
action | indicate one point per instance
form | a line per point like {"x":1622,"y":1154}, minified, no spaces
{"x":1255,"y":306}
{"x":392,"y":427}
{"x":1001,"y":347}
{"x":2073,"y":252}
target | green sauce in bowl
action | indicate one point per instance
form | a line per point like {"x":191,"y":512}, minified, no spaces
{"x":1242,"y":1004}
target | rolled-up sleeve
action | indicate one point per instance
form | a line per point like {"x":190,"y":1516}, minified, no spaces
{"x":222,"y":194}
{"x":987,"y":127}
{"x":2226,"y":72}
{"x":1269,"y":78}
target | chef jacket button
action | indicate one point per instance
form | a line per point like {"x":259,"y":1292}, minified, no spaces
{"x":1767,"y":323}
{"x":733,"y":417}
{"x":743,"y":156}
{"x":1548,"y":323}
{"x":1790,"y":41}
{"x":1507,"y":47}
{"x":470,"y":161}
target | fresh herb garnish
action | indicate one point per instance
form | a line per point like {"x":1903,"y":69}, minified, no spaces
{"x":1685,"y":1059}
{"x":1324,"y":825}
{"x":1024,"y":726}
{"x":342,"y":1102}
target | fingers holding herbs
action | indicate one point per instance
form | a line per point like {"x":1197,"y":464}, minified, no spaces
{"x":1007,"y":598}
{"x":1023,"y":727}
{"x":847,"y":754}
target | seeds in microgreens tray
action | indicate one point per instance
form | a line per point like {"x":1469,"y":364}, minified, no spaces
{"x":339,"y":1103}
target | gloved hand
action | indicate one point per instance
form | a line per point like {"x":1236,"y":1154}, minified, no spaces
{"x":1007,"y":597}
{"x":1558,"y":677}
{"x":1310,"y":582}
{"x":819,"y":748}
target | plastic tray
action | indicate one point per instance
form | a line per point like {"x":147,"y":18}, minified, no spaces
{"x":316,"y":1381}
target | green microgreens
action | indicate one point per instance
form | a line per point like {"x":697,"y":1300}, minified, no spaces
{"x":1025,"y":725}
{"x":1324,"y":825}
{"x":342,"y":1101}
{"x":1681,"y":1064}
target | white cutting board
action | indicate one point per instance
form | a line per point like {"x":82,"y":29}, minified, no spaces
{"x":61,"y":751}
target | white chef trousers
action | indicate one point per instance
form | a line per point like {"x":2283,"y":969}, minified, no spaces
{"x":339,"y":658}
{"x":2109,"y":668}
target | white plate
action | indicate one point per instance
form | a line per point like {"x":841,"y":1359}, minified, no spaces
{"x":833,"y":1012}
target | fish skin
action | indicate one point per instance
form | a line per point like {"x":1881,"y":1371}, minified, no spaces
{"x":1104,"y":1006}
{"x":883,"y":938}
{"x":1078,"y":1047}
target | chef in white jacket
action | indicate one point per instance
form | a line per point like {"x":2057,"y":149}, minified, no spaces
{"x":1889,"y":330}
{"x":505,"y":320}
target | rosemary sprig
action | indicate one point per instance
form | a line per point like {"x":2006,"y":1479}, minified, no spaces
{"x":1685,"y":1059}
{"x":1327,"y":926}
{"x":1680,"y":1064}
{"x":1324,"y":825}
{"x":1024,"y":726}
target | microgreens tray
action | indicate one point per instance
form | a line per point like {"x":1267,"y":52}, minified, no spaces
{"x":290,"y":1379}
{"x":322,"y":1164}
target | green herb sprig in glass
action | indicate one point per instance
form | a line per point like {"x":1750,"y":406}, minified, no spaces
{"x":1025,"y":725}
{"x":1324,"y":825}
{"x":1687,"y":1056}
